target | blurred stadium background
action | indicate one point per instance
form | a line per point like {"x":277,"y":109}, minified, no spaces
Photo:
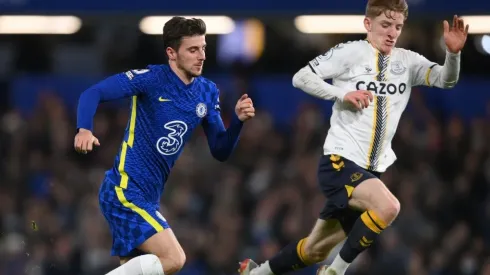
{"x":267,"y":194}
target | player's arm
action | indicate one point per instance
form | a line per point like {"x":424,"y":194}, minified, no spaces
{"x":311,"y":78}
{"x":221,"y":141}
{"x":428,"y":73}
{"x":332,"y":64}
{"x":112,"y":88}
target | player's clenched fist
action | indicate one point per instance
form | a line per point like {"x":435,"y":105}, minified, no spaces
{"x":85,"y":141}
{"x":359,"y":99}
{"x":245,"y":108}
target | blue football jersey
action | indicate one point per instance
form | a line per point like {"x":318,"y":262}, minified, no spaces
{"x":164,"y":112}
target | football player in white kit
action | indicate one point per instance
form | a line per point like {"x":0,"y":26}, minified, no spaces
{"x":371,"y":85}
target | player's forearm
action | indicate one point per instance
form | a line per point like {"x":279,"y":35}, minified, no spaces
{"x":447,"y":76}
{"x":223,"y":141}
{"x":312,"y":84}
{"x":87,"y":106}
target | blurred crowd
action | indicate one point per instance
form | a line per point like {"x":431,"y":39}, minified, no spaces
{"x":265,"y":196}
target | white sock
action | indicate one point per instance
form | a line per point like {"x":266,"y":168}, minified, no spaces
{"x":339,"y":265}
{"x":263,"y":269}
{"x":143,"y":265}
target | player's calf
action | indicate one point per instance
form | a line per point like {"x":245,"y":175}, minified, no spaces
{"x":324,"y":237}
{"x":300,"y":254}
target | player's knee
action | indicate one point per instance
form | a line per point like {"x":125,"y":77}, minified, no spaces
{"x":176,"y":260}
{"x":180,"y":261}
{"x":389,"y":209}
{"x":373,"y":195}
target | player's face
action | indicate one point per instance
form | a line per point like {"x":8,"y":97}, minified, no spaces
{"x":191,"y":55}
{"x":383,"y":31}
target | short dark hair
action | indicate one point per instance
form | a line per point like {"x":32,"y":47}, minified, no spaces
{"x":179,"y":27}
{"x":375,"y":8}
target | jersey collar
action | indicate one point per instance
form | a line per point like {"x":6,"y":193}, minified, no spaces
{"x":176,"y":80}
{"x":374,"y":48}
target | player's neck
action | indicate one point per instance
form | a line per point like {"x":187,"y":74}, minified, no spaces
{"x":181,"y":74}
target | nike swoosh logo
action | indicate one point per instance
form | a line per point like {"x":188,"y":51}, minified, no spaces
{"x":161,"y":99}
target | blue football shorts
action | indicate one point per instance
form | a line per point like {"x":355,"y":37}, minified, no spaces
{"x":132,"y":219}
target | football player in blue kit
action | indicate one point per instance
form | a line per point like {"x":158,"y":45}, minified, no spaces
{"x":167,"y":103}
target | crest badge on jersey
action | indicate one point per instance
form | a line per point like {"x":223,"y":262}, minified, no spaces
{"x":397,"y":68}
{"x":356,"y":176}
{"x":201,"y":109}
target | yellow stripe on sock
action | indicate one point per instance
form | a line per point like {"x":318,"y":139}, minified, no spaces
{"x":379,"y":222}
{"x":366,"y":219}
{"x":300,"y":249}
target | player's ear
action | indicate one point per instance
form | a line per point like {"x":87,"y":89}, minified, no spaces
{"x":171,"y":53}
{"x":367,"y":24}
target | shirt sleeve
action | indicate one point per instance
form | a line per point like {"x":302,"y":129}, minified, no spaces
{"x":428,"y":73}
{"x":221,"y":141}
{"x":333,"y":63}
{"x":130,"y":83}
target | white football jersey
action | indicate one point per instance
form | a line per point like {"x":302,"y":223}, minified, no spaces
{"x":364,"y":137}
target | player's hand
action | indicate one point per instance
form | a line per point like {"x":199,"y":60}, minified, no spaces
{"x":358,"y":99}
{"x":244,"y":108}
{"x":455,"y":35}
{"x":85,"y":141}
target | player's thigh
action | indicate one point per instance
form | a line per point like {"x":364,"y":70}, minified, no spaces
{"x":326,"y":234}
{"x":338,"y":178}
{"x":372,"y":194}
{"x":165,"y":245}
